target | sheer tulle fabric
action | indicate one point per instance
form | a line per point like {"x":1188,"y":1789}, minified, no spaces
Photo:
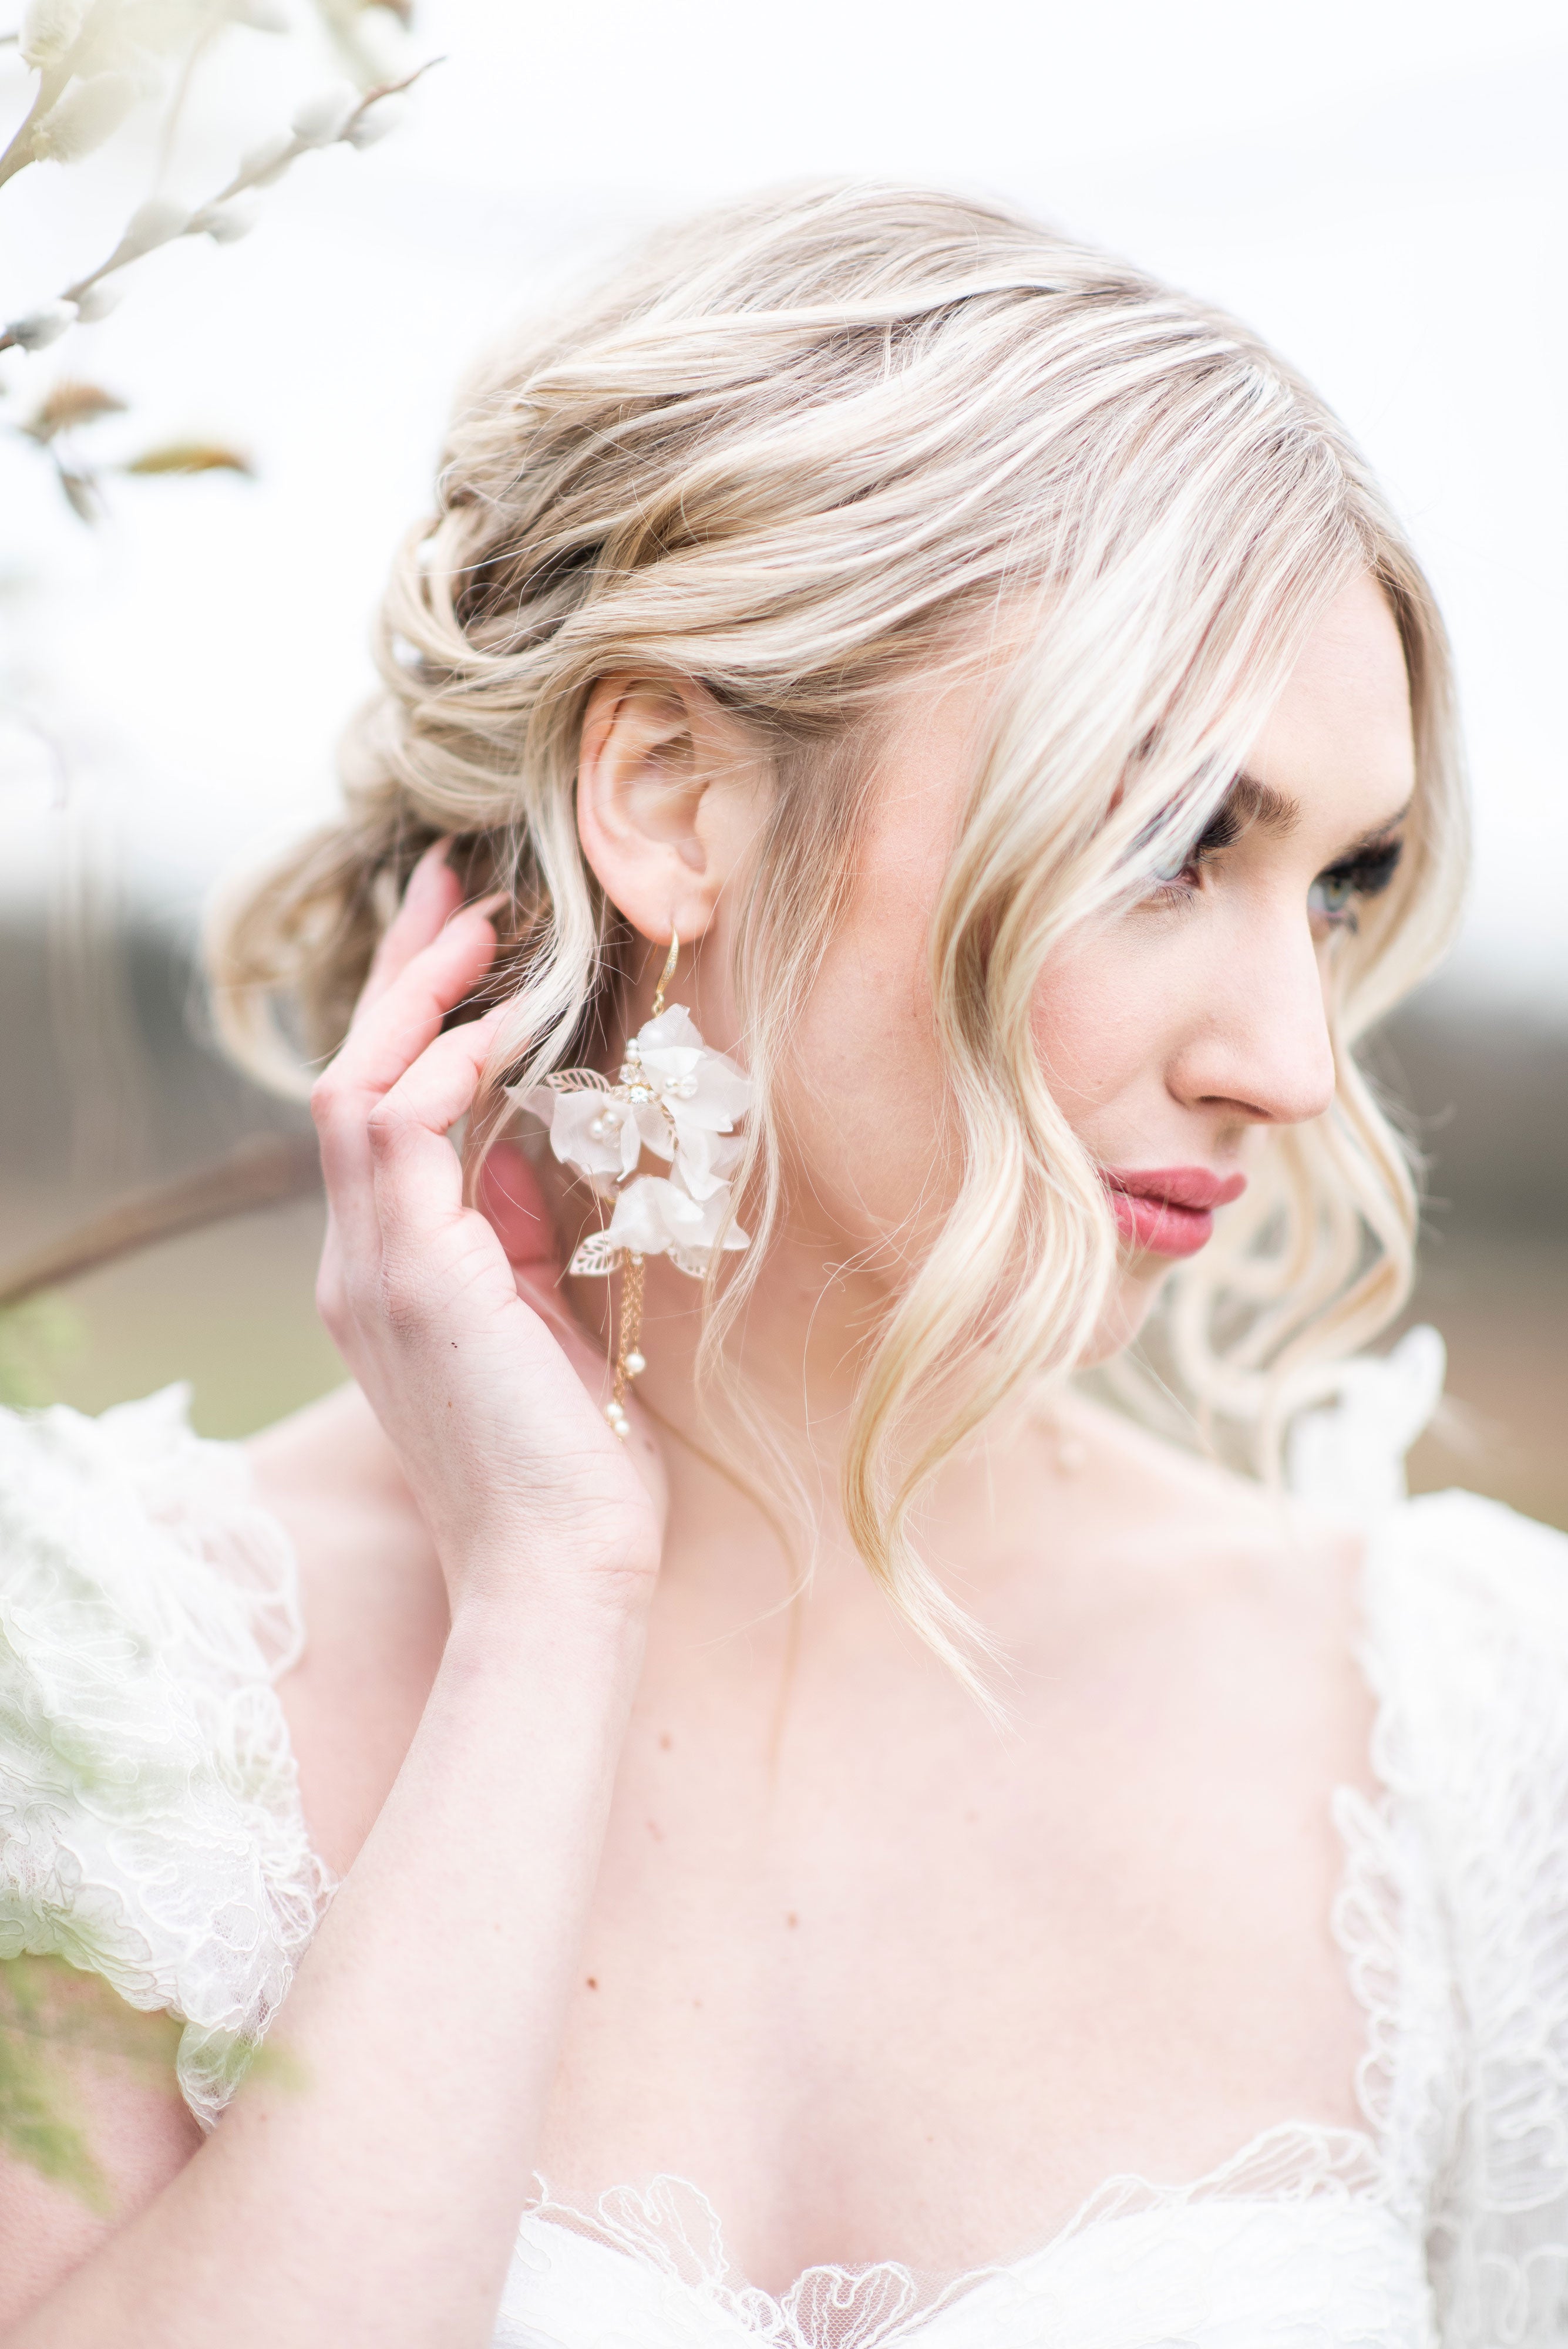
{"x":150,"y":1830}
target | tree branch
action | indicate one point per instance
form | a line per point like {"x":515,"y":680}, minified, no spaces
{"x":267,"y":1171}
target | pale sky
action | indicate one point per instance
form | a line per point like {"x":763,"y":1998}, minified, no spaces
{"x":1381,"y":187}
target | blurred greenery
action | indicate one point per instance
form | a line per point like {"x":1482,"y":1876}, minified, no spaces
{"x":37,"y":1339}
{"x":38,"y":2116}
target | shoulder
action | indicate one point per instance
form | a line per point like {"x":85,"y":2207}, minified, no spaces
{"x":150,"y":1830}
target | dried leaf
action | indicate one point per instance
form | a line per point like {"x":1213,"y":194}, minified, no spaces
{"x":69,"y":404}
{"x":81,"y":495}
{"x":191,"y":457}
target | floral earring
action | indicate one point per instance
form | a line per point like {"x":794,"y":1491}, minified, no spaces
{"x":680,"y":1099}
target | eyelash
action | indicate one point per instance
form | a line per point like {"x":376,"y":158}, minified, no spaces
{"x":1366,"y":874}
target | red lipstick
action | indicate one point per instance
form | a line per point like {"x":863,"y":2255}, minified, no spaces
{"x":1168,"y":1210}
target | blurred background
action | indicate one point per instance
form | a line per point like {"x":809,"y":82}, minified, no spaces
{"x":1381,"y":187}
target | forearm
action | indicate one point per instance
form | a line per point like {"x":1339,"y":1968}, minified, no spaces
{"x":365,"y":2185}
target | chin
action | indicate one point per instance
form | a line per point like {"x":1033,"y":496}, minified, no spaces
{"x":1127,"y":1309}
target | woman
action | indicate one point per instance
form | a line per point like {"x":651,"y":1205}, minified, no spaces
{"x":937,"y":745}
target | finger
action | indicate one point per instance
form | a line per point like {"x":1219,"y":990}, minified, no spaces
{"x":394,"y":1030}
{"x":389,"y":1039}
{"x":417,"y":1179}
{"x":433,"y":895}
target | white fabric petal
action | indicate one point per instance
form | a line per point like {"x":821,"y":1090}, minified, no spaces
{"x":703,"y":1160}
{"x":702,"y":1087}
{"x":655,"y":1129}
{"x":654,"y":1217}
{"x":613,"y":1150}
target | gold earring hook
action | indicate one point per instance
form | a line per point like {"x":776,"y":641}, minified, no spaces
{"x":668,"y":973}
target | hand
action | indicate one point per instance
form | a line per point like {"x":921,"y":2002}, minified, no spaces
{"x":490,"y":1394}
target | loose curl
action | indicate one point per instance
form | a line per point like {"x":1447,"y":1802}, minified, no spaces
{"x":804,"y":450}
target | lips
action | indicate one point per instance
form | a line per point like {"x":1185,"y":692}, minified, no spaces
{"x":1168,"y":1210}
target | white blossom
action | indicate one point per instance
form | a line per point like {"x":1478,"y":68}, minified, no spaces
{"x":95,"y":302}
{"x":267,"y":161}
{"x":43,"y":324}
{"x":226,"y":223}
{"x":152,"y":223}
{"x":319,"y":119}
{"x":261,"y":15}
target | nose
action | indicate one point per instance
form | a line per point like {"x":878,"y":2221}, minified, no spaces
{"x":1257,"y":1040}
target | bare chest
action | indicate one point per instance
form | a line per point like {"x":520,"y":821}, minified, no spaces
{"x":884,"y":1984}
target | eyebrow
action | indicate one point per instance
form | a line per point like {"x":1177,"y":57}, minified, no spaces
{"x":1250,"y":802}
{"x":1375,"y":835}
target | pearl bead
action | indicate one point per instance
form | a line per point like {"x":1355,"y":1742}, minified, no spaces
{"x":635,"y":1365}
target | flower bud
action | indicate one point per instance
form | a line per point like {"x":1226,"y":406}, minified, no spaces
{"x":261,"y":165}
{"x":150,"y":224}
{"x":97,"y":301}
{"x":376,"y":120}
{"x":43,"y":324}
{"x":49,"y":30}
{"x":320,"y":120}
{"x":226,"y":223}
{"x":90,"y":112}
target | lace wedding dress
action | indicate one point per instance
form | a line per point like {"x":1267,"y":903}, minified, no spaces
{"x":151,"y":1831}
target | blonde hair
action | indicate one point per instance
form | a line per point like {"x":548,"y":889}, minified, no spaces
{"x":800,"y":450}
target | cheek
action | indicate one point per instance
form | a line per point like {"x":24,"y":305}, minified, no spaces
{"x":1095,"y":1025}
{"x":864,"y":1101}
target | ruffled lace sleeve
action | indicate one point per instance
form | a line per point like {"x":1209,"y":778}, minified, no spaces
{"x":1467,"y":1618}
{"x":151,"y":1828}
{"x":1467,"y":1645}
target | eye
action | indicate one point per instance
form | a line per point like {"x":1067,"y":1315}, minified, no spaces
{"x":1218,"y":835}
{"x":1334,"y":894}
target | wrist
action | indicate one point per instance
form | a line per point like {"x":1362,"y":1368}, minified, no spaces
{"x":582,"y":1622}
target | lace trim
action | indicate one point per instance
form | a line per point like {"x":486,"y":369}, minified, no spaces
{"x":150,"y":1829}
{"x":670,"y":2231}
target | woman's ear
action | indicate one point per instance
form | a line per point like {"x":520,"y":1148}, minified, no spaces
{"x":667,"y":792}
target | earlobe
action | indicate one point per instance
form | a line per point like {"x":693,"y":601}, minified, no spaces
{"x":652,"y":748}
